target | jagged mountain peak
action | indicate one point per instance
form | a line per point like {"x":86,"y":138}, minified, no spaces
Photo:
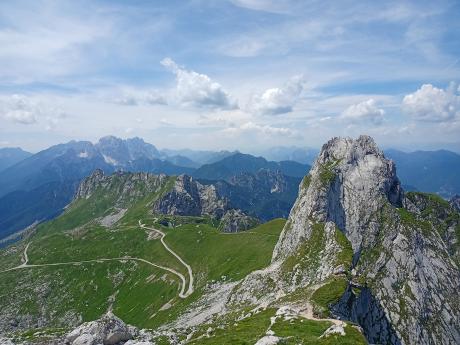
{"x":340,"y":147}
{"x":350,"y":180}
{"x":404,"y":255}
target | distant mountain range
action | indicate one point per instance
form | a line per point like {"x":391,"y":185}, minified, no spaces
{"x":428,"y":171}
{"x":39,"y":186}
{"x":36,"y":187}
{"x":290,"y":153}
{"x":11,"y":155}
{"x":50,"y":177}
{"x":239,"y":163}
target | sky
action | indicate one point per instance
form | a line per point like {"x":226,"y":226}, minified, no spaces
{"x":236,"y":74}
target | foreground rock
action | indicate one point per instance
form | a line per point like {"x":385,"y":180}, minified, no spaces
{"x":109,"y":330}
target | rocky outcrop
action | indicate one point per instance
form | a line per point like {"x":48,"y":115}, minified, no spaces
{"x":349,"y":182}
{"x":236,"y":220}
{"x":126,"y":186}
{"x":455,"y":202}
{"x":404,"y":276}
{"x":109,"y":330}
{"x":89,"y":185}
{"x":189,"y":197}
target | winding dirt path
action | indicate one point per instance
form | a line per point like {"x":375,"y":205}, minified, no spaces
{"x":182,"y":293}
{"x":187,"y":266}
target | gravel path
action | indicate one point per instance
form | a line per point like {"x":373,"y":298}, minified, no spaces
{"x":187,"y":266}
{"x":182,"y":293}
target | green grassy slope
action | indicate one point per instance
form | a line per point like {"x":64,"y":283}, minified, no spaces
{"x":142,"y":295}
{"x":247,"y":330}
{"x":138,"y":290}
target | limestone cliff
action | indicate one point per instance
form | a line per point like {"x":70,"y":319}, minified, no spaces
{"x":396,"y":254}
{"x":189,"y":197}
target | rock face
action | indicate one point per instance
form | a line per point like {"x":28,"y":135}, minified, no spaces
{"x":236,"y":220}
{"x":127,"y":185}
{"x":109,"y":330}
{"x":403,"y":280}
{"x":265,"y":194}
{"x":349,"y":182}
{"x":189,"y":197}
{"x":455,"y":202}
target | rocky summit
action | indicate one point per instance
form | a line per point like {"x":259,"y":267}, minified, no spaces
{"x":358,"y":260}
{"x":189,"y":197}
{"x":401,"y":279}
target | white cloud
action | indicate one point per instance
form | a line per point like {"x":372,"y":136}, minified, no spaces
{"x":21,"y":116}
{"x":432,"y":104}
{"x":19,"y":109}
{"x":198,"y":90}
{"x":25,"y":110}
{"x":277,"y":101}
{"x":364,"y":111}
{"x":250,"y":126}
{"x":141,"y":98}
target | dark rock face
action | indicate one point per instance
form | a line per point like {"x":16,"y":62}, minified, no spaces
{"x":266,"y":194}
{"x":190,"y":198}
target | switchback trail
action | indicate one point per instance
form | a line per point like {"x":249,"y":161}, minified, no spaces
{"x":182,"y":293}
{"x":187,"y":266}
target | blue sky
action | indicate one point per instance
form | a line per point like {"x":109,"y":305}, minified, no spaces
{"x":239,"y":74}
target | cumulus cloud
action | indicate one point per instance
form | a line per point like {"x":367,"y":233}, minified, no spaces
{"x":25,"y":110}
{"x":364,"y":111}
{"x":256,"y":128}
{"x":19,"y":109}
{"x":276,"y":101}
{"x":432,"y":104}
{"x":198,"y":90}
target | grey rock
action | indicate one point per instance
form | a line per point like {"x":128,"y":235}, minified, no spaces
{"x":236,"y":220}
{"x":455,"y":202}
{"x":188,"y":197}
{"x":349,"y":182}
{"x":403,"y":253}
{"x":128,"y":186}
{"x":411,"y":298}
{"x":109,"y":330}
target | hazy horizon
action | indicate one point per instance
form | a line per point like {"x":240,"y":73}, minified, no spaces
{"x":257,"y":152}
